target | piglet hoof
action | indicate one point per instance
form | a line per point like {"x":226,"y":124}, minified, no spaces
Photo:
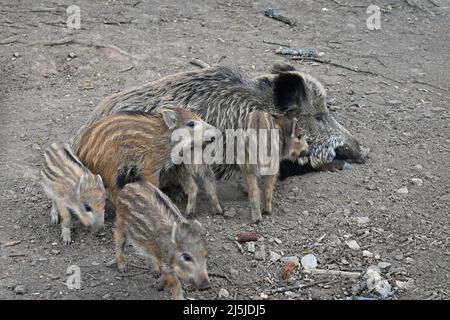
{"x":122,"y":267}
{"x":65,"y":234}
{"x":54,"y":219}
{"x":160,"y":283}
{"x":267,"y":210}
{"x":256,"y":219}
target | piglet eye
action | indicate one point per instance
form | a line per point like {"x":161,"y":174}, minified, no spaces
{"x":191,"y":124}
{"x":186,"y":257}
{"x":87,"y":208}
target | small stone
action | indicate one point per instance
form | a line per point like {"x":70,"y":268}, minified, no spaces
{"x":409,"y":260}
{"x":305,"y":213}
{"x":36,"y":147}
{"x":274,"y":256}
{"x":405,"y":285}
{"x":352,"y":244}
{"x":53,"y":277}
{"x":223,"y":293}
{"x":383,"y":288}
{"x":72,"y":55}
{"x":106,"y":296}
{"x":367,"y":253}
{"x":418,"y":167}
{"x":399,"y":256}
{"x":261,"y":253}
{"x":394,"y":102}
{"x":417,"y":182}
{"x":277,"y":240}
{"x":16,"y":54}
{"x":347,"y":211}
{"x":55,"y":252}
{"x":403,"y":190}
{"x":230,"y":213}
{"x":384,"y":266}
{"x":362,"y":220}
{"x":20,"y":289}
{"x":264,"y":296}
{"x":293,"y":259}
{"x":309,"y":262}
{"x":251,"y":246}
{"x":233,"y":272}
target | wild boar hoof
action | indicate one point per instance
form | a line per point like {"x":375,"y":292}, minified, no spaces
{"x":66,"y":236}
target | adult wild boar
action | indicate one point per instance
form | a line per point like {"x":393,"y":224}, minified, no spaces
{"x":223,"y":97}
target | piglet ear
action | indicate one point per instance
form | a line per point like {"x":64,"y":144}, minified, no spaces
{"x":100,"y":184}
{"x":170,"y":118}
{"x":289,"y":89}
{"x":81,"y":183}
{"x":199,"y":227}
{"x":174,"y":232}
{"x":282,"y":67}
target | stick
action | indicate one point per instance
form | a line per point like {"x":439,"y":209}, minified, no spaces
{"x":276,"y":43}
{"x":429,"y":84}
{"x":241,"y":250}
{"x":348,"y":274}
{"x":199,"y":63}
{"x":218,"y":275}
{"x":277,"y":16}
{"x":85,"y":42}
{"x":294,"y":287}
{"x":354,"y":69}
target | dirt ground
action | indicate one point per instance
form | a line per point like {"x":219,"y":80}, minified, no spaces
{"x":400,"y":111}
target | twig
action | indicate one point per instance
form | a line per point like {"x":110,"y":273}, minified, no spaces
{"x":241,"y":250}
{"x":277,"y":16}
{"x":218,"y":275}
{"x":294,"y":287}
{"x":429,"y":84}
{"x":276,"y":43}
{"x":354,"y":69}
{"x":85,"y":42}
{"x":348,"y":274}
{"x":126,"y":69}
{"x":15,"y":255}
{"x":199,"y":63}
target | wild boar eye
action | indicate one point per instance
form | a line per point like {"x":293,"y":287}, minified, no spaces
{"x":87,"y":208}
{"x":190,"y":124}
{"x":186,"y":257}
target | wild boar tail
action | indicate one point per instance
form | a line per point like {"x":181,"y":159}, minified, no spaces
{"x":128,"y":173}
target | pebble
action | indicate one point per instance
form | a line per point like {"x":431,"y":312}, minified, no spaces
{"x":406,"y":285}
{"x":106,"y":296}
{"x":261,"y":253}
{"x":417,"y":182}
{"x":264,"y":296}
{"x":409,"y":260}
{"x":418,"y":167}
{"x":305,"y":213}
{"x":309,"y":262}
{"x":251,"y":246}
{"x":20,"y":289}
{"x":36,"y":147}
{"x":72,"y":55}
{"x":403,"y":190}
{"x":367,"y":253}
{"x":233,"y":272}
{"x":274,"y":256}
{"x":384,"y":266}
{"x":277,"y":240}
{"x":352,"y":244}
{"x":362,"y":220}
{"x":223,"y":293}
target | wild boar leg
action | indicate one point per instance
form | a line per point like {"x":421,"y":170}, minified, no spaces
{"x":209,"y":181}
{"x":65,"y":221}
{"x":191,"y":189}
{"x":54,"y":218}
{"x":173,"y":282}
{"x":119,"y":241}
{"x":251,"y":184}
{"x":267,"y":194}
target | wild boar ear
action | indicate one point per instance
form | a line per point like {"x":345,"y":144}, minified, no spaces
{"x":282,"y":67}
{"x":199,"y":227}
{"x":294,"y":125}
{"x":170,"y":118}
{"x":289,"y":89}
